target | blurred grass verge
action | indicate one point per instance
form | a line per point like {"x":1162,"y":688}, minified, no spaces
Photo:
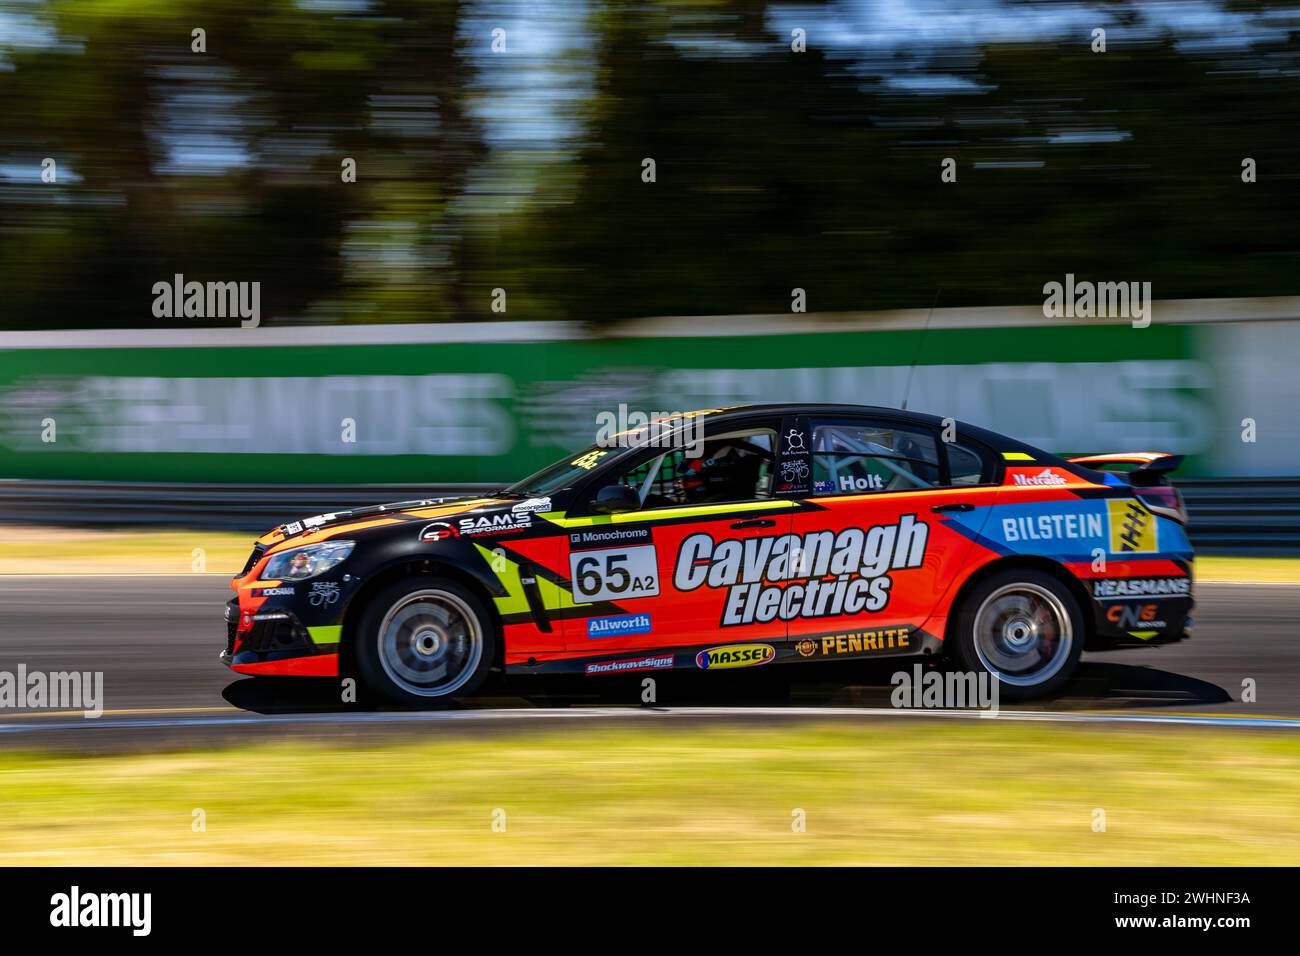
{"x":37,"y":549}
{"x":34,"y":549}
{"x":888,"y":792}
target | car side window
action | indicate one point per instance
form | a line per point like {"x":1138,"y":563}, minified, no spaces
{"x":856,"y":457}
{"x":736,"y":466}
{"x":969,"y":464}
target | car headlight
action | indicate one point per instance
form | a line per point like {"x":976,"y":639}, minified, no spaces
{"x":295,"y":564}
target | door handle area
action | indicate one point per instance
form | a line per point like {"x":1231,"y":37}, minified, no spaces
{"x":945,"y":509}
{"x":754,"y":523}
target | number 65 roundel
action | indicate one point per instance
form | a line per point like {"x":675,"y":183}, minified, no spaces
{"x":616,"y":574}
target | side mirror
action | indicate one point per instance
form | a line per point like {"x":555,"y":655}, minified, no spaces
{"x":615,"y":499}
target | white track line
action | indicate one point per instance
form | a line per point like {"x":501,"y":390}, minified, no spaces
{"x":524,"y":715}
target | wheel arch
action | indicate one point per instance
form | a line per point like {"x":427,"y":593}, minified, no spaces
{"x":412,"y":567}
{"x":1031,"y":562}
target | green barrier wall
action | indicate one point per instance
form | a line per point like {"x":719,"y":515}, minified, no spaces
{"x":496,"y":410}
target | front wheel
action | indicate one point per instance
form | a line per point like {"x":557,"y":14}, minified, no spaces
{"x":423,"y":640}
{"x":1025,"y":629}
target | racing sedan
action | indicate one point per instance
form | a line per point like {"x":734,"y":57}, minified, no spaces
{"x":735,"y":538}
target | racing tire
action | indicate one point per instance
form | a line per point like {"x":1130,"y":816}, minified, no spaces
{"x":1023,"y":627}
{"x":422,"y":641}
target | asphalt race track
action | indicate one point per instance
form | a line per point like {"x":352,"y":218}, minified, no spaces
{"x":156,"y":638}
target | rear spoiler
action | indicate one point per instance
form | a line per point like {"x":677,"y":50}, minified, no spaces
{"x":1153,"y":467}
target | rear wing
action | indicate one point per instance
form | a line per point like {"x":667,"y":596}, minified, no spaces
{"x":1150,"y":467}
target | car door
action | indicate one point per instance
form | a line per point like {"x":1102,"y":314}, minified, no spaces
{"x":686,"y":568}
{"x":887,"y":533}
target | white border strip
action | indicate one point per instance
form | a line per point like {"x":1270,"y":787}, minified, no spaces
{"x":1168,"y":312}
{"x":525,"y":715}
{"x":297,"y":336}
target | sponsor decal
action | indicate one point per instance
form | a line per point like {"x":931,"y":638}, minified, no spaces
{"x":796,"y":465}
{"x":275,"y":592}
{"x":495,"y":524}
{"x":656,"y":662}
{"x":589,"y":460}
{"x":794,"y":476}
{"x":438,"y":531}
{"x":1124,"y":525}
{"x":824,"y":573}
{"x":318,"y":520}
{"x":614,"y":574}
{"x":1136,"y":616}
{"x":323,"y":593}
{"x":1052,"y":527}
{"x":1132,"y":527}
{"x":862,"y":642}
{"x":806,"y":648}
{"x":531,"y":505}
{"x":737,"y":655}
{"x":793,"y":469}
{"x":292,"y":528}
{"x":1044,"y":477}
{"x":866,"y":483}
{"x":618,"y":625}
{"x":1141,"y":587}
{"x":604,"y":537}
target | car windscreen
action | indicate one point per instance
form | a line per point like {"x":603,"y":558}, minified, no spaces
{"x":565,"y":472}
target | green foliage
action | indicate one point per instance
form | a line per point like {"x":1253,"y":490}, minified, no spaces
{"x":291,"y":93}
{"x":786,"y":170}
{"x":775,"y":169}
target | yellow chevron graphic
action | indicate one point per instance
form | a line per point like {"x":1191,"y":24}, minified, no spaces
{"x":1132,"y":527}
{"x":553,"y":596}
{"x":507,"y":573}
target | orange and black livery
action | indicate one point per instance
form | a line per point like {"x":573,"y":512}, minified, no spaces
{"x":735,"y":538}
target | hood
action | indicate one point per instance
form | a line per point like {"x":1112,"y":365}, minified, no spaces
{"x":325,"y":526}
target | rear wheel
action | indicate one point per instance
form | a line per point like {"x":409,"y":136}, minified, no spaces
{"x":1024,"y":628}
{"x":424,"y":639}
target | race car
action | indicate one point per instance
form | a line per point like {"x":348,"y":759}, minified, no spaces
{"x":734,"y":538}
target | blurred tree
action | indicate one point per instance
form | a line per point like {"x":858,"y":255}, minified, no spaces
{"x":775,"y":169}
{"x":226,"y":164}
{"x":778,"y":170}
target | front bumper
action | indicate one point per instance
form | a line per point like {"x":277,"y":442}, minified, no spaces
{"x":274,"y":642}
